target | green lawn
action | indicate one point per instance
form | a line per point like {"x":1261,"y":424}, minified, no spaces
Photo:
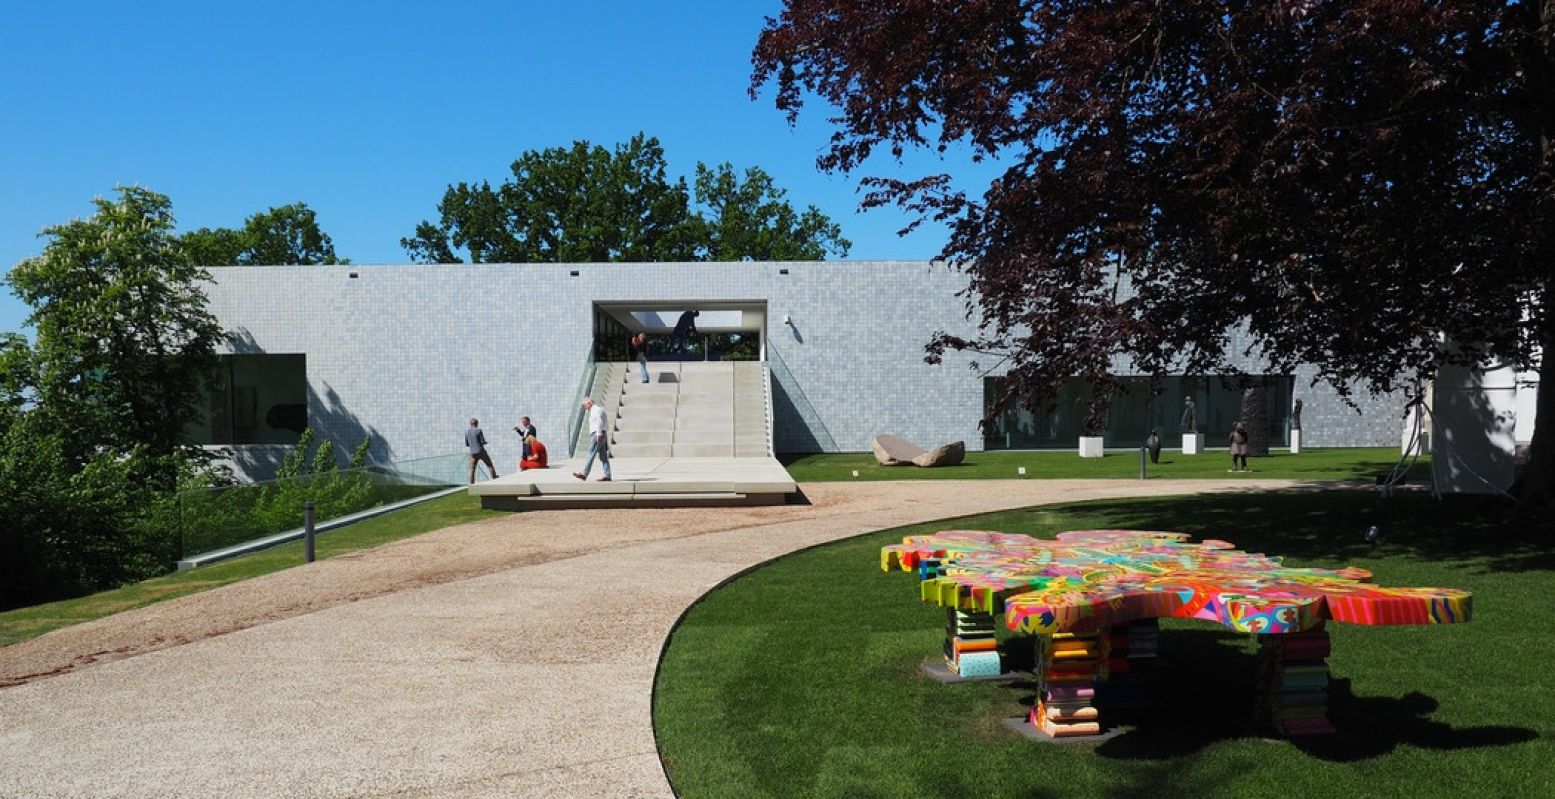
{"x":1311,"y":464}
{"x":801,"y":678}
{"x":16,"y":625}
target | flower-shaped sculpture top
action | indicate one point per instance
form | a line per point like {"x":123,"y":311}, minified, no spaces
{"x":1098,"y":578}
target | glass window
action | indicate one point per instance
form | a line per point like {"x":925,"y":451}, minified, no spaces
{"x":1136,"y":410}
{"x":258,"y":399}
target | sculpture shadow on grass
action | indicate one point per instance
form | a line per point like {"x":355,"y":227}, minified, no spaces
{"x":1203,"y":689}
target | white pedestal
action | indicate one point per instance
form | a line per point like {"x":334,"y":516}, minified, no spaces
{"x":1192,"y":443}
{"x":1295,"y":442}
{"x":1090,"y":446}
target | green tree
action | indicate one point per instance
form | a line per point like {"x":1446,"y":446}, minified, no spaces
{"x":750,"y":220}
{"x":125,"y":344}
{"x":589,"y":204}
{"x":285,"y":234}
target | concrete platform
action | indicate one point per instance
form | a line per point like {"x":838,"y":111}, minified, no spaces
{"x":643,"y":482}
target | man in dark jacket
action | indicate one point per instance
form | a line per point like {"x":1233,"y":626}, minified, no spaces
{"x":685,"y":328}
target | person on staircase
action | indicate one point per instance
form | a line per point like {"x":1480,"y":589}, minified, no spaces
{"x":639,"y":345}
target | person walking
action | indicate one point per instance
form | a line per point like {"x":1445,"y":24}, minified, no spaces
{"x":639,"y":344}
{"x":1239,"y":448}
{"x":600,"y":433}
{"x":475,"y":442}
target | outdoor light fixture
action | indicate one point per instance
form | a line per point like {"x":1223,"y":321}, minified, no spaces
{"x":788,"y":320}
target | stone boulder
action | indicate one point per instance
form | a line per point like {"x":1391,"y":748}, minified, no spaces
{"x":898,"y":451}
{"x":894,"y":450}
{"x":943,"y":455}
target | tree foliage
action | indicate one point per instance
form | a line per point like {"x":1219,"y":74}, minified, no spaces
{"x":585,"y":203}
{"x":283,"y":235}
{"x":1355,"y":181}
{"x":750,"y":220}
{"x":92,"y":414}
{"x":125,"y":345}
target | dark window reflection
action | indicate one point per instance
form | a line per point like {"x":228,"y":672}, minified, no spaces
{"x":1136,"y":410}
{"x":258,"y":399}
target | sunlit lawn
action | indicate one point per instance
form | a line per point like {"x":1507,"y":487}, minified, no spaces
{"x":1310,"y":464}
{"x":801,"y":678}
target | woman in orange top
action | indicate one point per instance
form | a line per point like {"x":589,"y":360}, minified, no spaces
{"x":536,"y":457}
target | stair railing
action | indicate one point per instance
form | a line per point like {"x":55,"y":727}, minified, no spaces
{"x":579,"y":418}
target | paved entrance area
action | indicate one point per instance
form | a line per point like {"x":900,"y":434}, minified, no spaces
{"x":643,"y":482}
{"x":511,"y":657}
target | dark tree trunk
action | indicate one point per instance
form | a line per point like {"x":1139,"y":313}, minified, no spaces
{"x":1255,"y":414}
{"x":1536,"y":487}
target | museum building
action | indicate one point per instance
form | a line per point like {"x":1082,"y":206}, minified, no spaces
{"x":408,"y":354}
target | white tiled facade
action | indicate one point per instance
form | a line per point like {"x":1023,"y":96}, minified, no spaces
{"x":409,"y":353}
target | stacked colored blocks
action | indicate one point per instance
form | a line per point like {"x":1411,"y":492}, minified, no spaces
{"x":1134,"y":646}
{"x":1295,"y":682}
{"x":970,"y":646}
{"x":1068,"y":667}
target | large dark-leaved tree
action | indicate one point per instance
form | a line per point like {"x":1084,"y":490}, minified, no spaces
{"x":1367,"y":185}
{"x":585,"y":203}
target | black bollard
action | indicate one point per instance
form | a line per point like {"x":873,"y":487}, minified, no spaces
{"x":307,"y":529}
{"x":1141,"y":462}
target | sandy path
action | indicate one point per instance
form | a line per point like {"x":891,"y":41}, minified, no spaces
{"x":509,"y":657}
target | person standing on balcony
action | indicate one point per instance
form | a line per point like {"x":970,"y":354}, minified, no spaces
{"x":599,"y":431}
{"x":475,"y":442}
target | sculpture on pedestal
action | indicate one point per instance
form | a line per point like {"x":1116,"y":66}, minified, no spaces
{"x":1190,"y":416}
{"x":1295,"y":416}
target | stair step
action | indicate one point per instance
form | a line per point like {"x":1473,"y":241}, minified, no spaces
{"x":641,"y":451}
{"x":629,"y":437}
{"x":703,"y":451}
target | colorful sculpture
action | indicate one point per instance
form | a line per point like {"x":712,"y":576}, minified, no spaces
{"x":1093,"y":597}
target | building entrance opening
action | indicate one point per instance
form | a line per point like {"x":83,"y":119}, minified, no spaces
{"x":700,"y":331}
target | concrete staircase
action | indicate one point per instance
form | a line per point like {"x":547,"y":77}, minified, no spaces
{"x":693,"y":409}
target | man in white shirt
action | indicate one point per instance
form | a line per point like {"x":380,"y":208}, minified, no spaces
{"x":599,"y":431}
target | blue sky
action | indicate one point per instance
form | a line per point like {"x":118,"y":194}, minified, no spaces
{"x":367,"y":111}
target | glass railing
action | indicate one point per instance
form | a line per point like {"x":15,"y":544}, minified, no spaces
{"x":585,"y":389}
{"x":766,"y":399}
{"x":207,"y":519}
{"x":786,"y":390}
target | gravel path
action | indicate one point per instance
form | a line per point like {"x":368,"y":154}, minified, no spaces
{"x":509,"y":657}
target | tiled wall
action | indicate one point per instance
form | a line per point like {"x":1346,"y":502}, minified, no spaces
{"x":410,"y":353}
